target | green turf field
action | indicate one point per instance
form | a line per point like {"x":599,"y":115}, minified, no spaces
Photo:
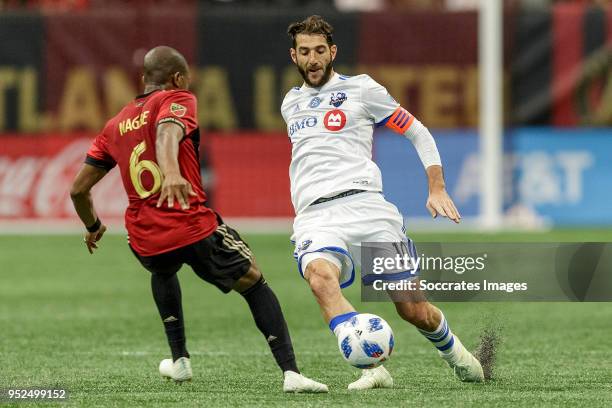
{"x":89,"y":324}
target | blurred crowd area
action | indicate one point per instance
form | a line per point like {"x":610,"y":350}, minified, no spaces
{"x":340,"y":5}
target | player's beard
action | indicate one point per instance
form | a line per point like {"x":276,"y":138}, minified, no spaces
{"x":326,"y":74}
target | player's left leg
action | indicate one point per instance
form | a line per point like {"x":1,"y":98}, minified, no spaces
{"x":386,"y":226}
{"x":432,"y":324}
{"x":269,"y":319}
{"x":226,"y":261}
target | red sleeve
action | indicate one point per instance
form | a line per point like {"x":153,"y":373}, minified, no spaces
{"x":98,"y":154}
{"x":179,"y":107}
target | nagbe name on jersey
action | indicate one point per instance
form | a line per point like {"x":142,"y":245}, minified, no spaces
{"x":134,"y":123}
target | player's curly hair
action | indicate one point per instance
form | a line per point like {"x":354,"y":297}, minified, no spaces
{"x":311,"y":25}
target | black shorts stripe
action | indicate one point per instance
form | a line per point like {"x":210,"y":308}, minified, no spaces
{"x":234,"y":243}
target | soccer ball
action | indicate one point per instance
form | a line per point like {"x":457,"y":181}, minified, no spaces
{"x":365,"y":340}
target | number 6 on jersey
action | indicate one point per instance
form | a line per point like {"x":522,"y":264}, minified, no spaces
{"x":138,"y":167}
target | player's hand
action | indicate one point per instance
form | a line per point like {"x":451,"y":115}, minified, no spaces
{"x":175,"y":187}
{"x":440,"y":203}
{"x":92,"y":237}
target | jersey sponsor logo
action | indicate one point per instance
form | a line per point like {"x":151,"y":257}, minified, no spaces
{"x":334,"y":120}
{"x":304,"y":245}
{"x":316,"y":101}
{"x":337,"y":99}
{"x":178,"y":110}
{"x":309,"y":121}
{"x":134,"y":123}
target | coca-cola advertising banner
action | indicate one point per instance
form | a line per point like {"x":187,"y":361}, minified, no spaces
{"x":36,"y":174}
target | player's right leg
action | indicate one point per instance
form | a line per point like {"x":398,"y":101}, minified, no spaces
{"x":167,"y":295}
{"x":322,"y":272}
{"x":270,"y":321}
{"x":226,"y":261}
{"x":325,"y":263}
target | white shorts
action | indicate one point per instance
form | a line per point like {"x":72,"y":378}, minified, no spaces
{"x":336,"y":229}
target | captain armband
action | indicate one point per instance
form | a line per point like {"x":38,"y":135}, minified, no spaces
{"x":401,"y":121}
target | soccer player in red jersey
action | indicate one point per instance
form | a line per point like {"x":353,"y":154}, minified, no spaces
{"x":155,"y":140}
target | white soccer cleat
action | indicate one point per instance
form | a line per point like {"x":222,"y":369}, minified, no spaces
{"x":466,"y":367}
{"x":295,"y":382}
{"x":371,"y":378}
{"x":178,"y":371}
{"x":165,"y":368}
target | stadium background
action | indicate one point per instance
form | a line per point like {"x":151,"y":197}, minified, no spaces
{"x":62,"y":74}
{"x":88,"y":323}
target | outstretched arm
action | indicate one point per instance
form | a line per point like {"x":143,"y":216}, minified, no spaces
{"x":438,"y":202}
{"x":174,"y":185}
{"x":80,"y":193}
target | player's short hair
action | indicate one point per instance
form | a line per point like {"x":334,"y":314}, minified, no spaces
{"x":161,"y":62}
{"x":311,"y":25}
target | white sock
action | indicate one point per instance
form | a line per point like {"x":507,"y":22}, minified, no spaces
{"x":442,"y":338}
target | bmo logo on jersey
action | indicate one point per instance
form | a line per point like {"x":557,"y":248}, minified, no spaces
{"x":310,"y":121}
{"x":334,"y":120}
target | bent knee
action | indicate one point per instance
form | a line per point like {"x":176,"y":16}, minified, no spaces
{"x":322,"y":276}
{"x":249,"y":279}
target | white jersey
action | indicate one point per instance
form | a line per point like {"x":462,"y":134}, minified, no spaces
{"x":331,"y":129}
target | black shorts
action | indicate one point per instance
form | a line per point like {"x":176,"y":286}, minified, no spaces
{"x":221,"y":258}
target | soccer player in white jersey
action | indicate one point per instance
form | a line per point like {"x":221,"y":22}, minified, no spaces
{"x":336,"y":190}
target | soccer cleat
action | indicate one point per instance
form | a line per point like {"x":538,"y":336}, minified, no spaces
{"x":165,"y":368}
{"x":295,"y":382}
{"x":466,"y":367}
{"x":377,"y":377}
{"x":178,"y":371}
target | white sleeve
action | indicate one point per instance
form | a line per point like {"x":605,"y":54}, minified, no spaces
{"x":380,"y":105}
{"x":283,"y":109}
{"x":377,"y":101}
{"x":285,"y":104}
{"x":424,"y":144}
